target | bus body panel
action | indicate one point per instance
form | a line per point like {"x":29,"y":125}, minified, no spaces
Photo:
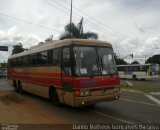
{"x":38,"y":79}
{"x":140,"y":71}
{"x":83,"y":101}
{"x":105,"y":88}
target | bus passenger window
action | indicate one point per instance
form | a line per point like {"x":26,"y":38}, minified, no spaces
{"x":33,"y":59}
{"x":42,"y":57}
{"x":55,"y":57}
{"x":25,"y":60}
{"x":66,"y":61}
{"x":19,"y":61}
{"x":14,"y":62}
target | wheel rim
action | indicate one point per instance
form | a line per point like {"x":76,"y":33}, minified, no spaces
{"x":54,"y":97}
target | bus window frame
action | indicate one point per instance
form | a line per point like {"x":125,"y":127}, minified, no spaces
{"x":72,"y":62}
{"x":99,"y":67}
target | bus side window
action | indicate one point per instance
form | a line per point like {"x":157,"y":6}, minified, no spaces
{"x":25,"y":60}
{"x":50,"y":56}
{"x":33,"y":59}
{"x":19,"y":61}
{"x":66,"y":63}
{"x":14,"y":62}
{"x":55,"y":56}
{"x":42,"y":57}
{"x":120,"y":68}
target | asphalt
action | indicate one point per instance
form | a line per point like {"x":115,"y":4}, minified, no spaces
{"x":149,"y":82}
{"x":131,"y":108}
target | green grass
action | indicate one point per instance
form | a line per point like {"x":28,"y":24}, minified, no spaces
{"x":145,"y":89}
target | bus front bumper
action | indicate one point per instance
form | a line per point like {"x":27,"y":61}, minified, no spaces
{"x":84,"y":101}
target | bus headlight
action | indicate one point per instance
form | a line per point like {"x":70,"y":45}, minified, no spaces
{"x":85,"y":92}
{"x":82,"y":93}
{"x":116,"y":88}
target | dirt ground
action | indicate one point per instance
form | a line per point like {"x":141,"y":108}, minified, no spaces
{"x":14,"y":108}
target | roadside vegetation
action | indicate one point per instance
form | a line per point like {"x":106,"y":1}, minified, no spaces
{"x":145,"y":89}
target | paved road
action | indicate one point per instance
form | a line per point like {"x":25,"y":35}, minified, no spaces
{"x":130,"y":108}
{"x":149,"y":82}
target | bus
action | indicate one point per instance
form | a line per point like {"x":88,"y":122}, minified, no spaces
{"x":76,"y":72}
{"x":139,"y":71}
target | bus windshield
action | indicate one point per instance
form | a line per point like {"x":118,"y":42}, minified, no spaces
{"x":94,"y":60}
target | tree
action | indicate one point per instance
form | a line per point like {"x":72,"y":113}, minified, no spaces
{"x":154,"y":59}
{"x":135,"y":62}
{"x":119,"y":61}
{"x":73,"y":31}
{"x":50,"y":38}
{"x":17,"y":48}
{"x":3,"y":65}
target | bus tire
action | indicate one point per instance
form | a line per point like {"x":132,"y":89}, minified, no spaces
{"x":15,"y":86}
{"x":53,"y":95}
{"x":20,"y":89}
{"x":134,"y":77}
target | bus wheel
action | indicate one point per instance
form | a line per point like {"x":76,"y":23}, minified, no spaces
{"x":134,"y":77}
{"x":20,"y":89}
{"x":15,"y":85}
{"x":54,"y":96}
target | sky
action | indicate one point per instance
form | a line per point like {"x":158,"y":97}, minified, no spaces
{"x":132,"y":26}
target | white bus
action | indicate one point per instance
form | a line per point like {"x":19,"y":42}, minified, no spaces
{"x":139,"y":71}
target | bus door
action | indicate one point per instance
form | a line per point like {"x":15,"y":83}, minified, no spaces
{"x":67,"y":76}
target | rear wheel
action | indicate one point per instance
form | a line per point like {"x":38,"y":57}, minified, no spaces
{"x":15,"y":85}
{"x":20,"y":89}
{"x":54,"y":96}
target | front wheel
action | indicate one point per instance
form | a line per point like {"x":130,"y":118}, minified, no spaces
{"x":134,"y":77}
{"x":54,"y":97}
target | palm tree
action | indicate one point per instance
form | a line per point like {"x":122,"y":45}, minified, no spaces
{"x":17,"y":48}
{"x":73,"y":31}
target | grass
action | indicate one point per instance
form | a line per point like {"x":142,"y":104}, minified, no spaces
{"x":145,"y":89}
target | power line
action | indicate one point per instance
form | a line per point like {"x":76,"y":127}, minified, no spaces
{"x":87,"y":21}
{"x":28,"y":22}
{"x":90,"y":23}
{"x":108,"y":28}
{"x":51,"y":4}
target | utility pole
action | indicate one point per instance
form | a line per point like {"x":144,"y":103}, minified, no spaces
{"x":71,"y":19}
{"x":145,"y":58}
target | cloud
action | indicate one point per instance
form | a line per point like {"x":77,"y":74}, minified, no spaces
{"x":141,"y":29}
{"x":153,"y":42}
{"x":138,"y":20}
{"x":139,"y":50}
{"x":11,"y":37}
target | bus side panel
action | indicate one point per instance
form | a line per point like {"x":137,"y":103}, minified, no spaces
{"x":36,"y":89}
{"x":37,"y":80}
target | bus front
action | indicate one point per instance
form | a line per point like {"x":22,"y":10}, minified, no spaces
{"x":95,"y":75}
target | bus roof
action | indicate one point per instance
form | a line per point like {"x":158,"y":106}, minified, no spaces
{"x":59,"y":43}
{"x":134,"y":65}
